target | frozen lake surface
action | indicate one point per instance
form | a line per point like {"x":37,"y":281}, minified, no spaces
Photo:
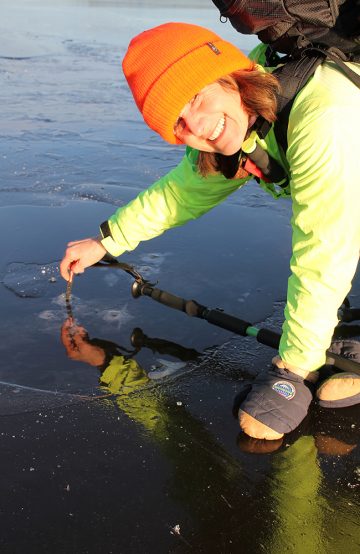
{"x":118,"y":473}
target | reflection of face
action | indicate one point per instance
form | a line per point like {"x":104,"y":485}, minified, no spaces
{"x":214,"y":121}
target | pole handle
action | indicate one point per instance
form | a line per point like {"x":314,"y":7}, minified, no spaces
{"x":190,"y":307}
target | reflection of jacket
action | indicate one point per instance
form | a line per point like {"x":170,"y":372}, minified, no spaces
{"x":324,"y":186}
{"x":295,"y":484}
{"x":123,"y":377}
{"x":302,"y":509}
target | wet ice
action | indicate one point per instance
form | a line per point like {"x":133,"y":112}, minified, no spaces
{"x":30,"y":280}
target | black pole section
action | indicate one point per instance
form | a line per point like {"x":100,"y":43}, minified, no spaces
{"x":268,"y":337}
{"x":226,"y":321}
{"x":190,"y":307}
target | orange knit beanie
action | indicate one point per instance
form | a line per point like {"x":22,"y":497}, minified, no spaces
{"x":167,"y":65}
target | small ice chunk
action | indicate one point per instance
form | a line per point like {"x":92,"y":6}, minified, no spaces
{"x":175,"y":530}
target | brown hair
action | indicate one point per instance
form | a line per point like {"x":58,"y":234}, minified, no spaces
{"x":258,"y":91}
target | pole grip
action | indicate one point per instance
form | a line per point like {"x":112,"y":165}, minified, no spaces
{"x":269,"y":338}
{"x":190,"y":307}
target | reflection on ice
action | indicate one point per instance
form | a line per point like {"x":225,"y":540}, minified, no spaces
{"x":117,"y":317}
{"x":84,"y":310}
{"x":165,"y":368}
{"x":49,"y":315}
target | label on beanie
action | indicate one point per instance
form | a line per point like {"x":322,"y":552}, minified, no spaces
{"x":285,"y":389}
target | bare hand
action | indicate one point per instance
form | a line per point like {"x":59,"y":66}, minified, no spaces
{"x":81,"y":254}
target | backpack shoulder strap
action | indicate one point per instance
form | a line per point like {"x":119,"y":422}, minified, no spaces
{"x":337,"y":56}
{"x":293,"y":76}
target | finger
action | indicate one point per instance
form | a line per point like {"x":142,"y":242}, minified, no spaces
{"x":69,"y":264}
{"x":73,"y":269}
{"x":65,"y":264}
{"x":64,"y":268}
{"x":77,"y":267}
{"x":65,"y":338}
{"x":67,"y":324}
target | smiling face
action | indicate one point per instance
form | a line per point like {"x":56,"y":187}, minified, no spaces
{"x":214,"y":121}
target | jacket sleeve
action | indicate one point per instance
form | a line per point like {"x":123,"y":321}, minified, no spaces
{"x":324,"y":159}
{"x":178,"y":197}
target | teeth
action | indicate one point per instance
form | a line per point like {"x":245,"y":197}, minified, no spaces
{"x":218,"y":129}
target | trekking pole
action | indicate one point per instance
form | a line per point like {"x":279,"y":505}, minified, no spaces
{"x":229,"y":322}
{"x":218,"y":317}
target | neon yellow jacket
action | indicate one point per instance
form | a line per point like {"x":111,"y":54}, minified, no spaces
{"x":323,"y":162}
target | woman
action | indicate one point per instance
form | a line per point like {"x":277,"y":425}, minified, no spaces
{"x":194,"y":88}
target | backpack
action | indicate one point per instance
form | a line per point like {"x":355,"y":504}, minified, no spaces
{"x":288,"y":25}
{"x":300,"y":36}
